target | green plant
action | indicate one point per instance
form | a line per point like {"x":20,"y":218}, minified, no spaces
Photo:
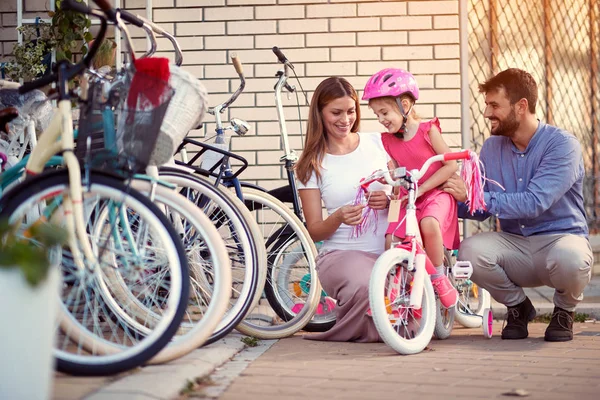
{"x":71,"y":29}
{"x":32,"y":56}
{"x":30,"y":251}
{"x":250,"y":341}
{"x":547,"y":317}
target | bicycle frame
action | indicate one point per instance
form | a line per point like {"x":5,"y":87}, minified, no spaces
{"x":417,"y":260}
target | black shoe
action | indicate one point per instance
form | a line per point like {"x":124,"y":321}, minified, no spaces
{"x":517,"y":319}
{"x":560,"y":328}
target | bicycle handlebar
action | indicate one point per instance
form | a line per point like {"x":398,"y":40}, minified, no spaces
{"x":415,"y":175}
{"x":457,"y":155}
{"x":132,"y":19}
{"x":105,"y":6}
{"x":280,"y":56}
{"x":221,"y":107}
{"x":237,"y":64}
{"x":147,"y":24}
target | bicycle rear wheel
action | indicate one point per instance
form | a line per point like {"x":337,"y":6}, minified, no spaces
{"x":99,"y":336}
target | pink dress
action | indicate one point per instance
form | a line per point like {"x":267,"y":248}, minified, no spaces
{"x":440,"y":205}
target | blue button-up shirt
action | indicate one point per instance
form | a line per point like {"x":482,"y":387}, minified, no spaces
{"x":543,"y":184}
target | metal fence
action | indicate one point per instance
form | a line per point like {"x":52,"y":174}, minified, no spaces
{"x":557,"y":41}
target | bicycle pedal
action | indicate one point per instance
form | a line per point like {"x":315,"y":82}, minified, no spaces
{"x":462,"y":270}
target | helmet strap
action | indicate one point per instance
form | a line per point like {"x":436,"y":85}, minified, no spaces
{"x":404,"y":115}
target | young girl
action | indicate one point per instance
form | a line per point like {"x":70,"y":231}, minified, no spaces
{"x":392,"y":94}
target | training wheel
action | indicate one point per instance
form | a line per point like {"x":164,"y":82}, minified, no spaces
{"x":488,"y":322}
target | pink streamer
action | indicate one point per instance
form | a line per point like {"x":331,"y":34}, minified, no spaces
{"x":369,"y":215}
{"x":471,"y":174}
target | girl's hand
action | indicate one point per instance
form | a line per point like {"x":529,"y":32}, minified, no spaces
{"x":349,"y":214}
{"x":403,"y":200}
{"x":377,"y":200}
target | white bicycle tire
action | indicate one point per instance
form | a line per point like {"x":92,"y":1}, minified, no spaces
{"x":475,"y":317}
{"x":256,"y":253}
{"x":377,"y":285}
{"x":312,"y":301}
{"x":191,"y":337}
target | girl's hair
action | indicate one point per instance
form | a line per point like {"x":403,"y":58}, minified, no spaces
{"x":311,"y":158}
{"x":391,"y":101}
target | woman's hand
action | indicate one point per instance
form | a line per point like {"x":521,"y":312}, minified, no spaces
{"x":456,"y":187}
{"x":377,"y":200}
{"x":350,"y":215}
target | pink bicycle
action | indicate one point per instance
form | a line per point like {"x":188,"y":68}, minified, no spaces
{"x":402,"y":301}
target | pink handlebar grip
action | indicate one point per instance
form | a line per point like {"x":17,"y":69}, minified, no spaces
{"x":457,"y":155}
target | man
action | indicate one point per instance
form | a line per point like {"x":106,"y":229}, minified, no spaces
{"x":539,"y":201}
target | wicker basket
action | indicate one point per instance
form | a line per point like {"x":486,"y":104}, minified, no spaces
{"x":186,"y":111}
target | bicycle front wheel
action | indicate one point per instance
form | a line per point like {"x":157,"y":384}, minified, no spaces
{"x":209,"y":266}
{"x":279,"y":227}
{"x":403,"y":328}
{"x":99,"y":336}
{"x":242,"y":237}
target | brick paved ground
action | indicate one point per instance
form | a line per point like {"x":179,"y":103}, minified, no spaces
{"x":465,"y":366}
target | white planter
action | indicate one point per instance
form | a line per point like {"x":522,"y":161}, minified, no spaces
{"x":27,"y":335}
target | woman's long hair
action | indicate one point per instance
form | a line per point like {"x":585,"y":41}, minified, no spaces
{"x":316,"y":136}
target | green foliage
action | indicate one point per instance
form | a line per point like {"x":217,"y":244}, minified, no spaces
{"x":581,"y":317}
{"x":28,"y":56}
{"x":250,"y":341}
{"x":71,"y":32}
{"x":30,"y":250}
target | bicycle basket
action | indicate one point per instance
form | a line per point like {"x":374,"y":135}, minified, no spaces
{"x":120,"y":133}
{"x":186,"y":111}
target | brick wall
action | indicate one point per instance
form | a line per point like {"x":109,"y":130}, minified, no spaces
{"x":353,"y":39}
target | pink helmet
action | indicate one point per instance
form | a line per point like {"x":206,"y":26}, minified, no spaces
{"x":391,"y":82}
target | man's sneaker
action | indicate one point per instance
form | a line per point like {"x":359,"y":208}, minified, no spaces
{"x":517,"y":319}
{"x":560,"y":328}
{"x":445,"y":291}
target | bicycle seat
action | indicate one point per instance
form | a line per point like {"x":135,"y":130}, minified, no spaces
{"x":6,"y":115}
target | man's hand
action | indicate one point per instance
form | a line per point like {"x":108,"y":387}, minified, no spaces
{"x":456,"y":187}
{"x":377,"y":200}
{"x":350,"y":215}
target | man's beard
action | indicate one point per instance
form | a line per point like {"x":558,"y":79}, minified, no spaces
{"x":507,"y":127}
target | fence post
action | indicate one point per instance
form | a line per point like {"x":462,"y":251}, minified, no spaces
{"x":595,"y":100}
{"x":465,"y":123}
{"x":548,"y":60}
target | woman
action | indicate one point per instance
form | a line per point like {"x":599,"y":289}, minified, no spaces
{"x":335,"y":157}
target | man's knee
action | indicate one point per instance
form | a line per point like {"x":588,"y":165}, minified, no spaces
{"x":570,"y":264}
{"x":473,"y":249}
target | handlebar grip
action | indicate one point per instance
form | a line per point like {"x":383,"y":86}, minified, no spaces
{"x":237,"y":64}
{"x":107,"y":8}
{"x":129,"y":17}
{"x":75,"y":6}
{"x":279,"y":54}
{"x":457,"y":155}
{"x":29,"y":86}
